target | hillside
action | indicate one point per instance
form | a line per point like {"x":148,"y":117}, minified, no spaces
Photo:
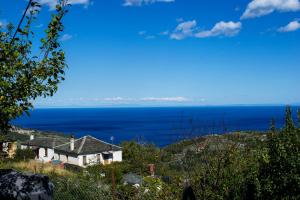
{"x":239,"y":165}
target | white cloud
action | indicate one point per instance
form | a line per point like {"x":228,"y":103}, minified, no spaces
{"x":257,"y":8}
{"x":144,"y":2}
{"x":52,"y":3}
{"x":145,"y":99}
{"x":184,"y":30}
{"x":221,"y":29}
{"x":165,"y":99}
{"x":66,"y":37}
{"x":292,"y":26}
{"x":190,"y":29}
{"x":32,"y":11}
{"x":115,"y":99}
{"x":112,"y":101}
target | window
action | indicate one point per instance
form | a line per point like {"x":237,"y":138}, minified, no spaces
{"x":46,"y":152}
{"x":84,"y":160}
{"x":107,"y":156}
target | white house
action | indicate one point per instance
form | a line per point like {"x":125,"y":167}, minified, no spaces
{"x":82,"y":152}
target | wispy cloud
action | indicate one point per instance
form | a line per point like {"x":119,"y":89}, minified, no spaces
{"x":290,"y":27}
{"x":165,"y":99}
{"x":222,"y":28}
{"x":164,"y":33}
{"x":114,"y":99}
{"x":52,"y":3}
{"x":178,"y":20}
{"x":258,"y":8}
{"x":190,"y":29}
{"x":144,"y":99}
{"x":184,"y":30}
{"x":146,"y":36}
{"x":66,"y":37}
{"x":144,"y":2}
{"x":142,"y":32}
{"x":120,"y":100}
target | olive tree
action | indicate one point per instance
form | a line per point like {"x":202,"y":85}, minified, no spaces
{"x":25,"y":72}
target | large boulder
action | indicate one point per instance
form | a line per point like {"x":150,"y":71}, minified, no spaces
{"x":16,"y":185}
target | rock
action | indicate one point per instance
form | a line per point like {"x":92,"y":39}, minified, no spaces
{"x":16,"y":185}
{"x":132,"y":179}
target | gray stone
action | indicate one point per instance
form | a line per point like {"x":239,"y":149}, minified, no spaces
{"x":16,"y":185}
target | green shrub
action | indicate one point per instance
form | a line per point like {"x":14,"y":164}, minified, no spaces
{"x":24,"y":155}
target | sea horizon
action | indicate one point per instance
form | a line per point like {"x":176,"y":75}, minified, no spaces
{"x":158,"y":125}
{"x":167,"y":106}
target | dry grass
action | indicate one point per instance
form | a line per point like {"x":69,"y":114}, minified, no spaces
{"x":39,"y":167}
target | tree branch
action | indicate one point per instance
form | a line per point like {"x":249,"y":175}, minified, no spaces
{"x":20,"y":23}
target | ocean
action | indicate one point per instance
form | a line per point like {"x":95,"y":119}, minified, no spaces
{"x":160,"y":126}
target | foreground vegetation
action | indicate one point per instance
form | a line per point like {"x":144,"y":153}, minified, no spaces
{"x":243,"y":165}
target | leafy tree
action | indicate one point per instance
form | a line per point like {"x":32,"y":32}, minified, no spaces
{"x":280,"y":166}
{"x":289,"y":124}
{"x":24,"y":73}
{"x":272,"y":131}
{"x":228,"y":172}
{"x":140,"y":156}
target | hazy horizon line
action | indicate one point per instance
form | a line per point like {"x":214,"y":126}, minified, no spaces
{"x":166,"y":106}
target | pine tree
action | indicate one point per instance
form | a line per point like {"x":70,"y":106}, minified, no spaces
{"x":289,"y":124}
{"x":272,"y":129}
{"x":298,"y":114}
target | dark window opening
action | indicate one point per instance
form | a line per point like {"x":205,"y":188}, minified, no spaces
{"x":84,"y":160}
{"x":107,"y":156}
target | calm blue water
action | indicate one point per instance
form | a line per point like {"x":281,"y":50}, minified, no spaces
{"x":160,"y":126}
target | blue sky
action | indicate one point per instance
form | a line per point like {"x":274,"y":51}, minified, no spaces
{"x":175,"y":52}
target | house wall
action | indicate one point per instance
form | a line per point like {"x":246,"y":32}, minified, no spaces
{"x":42,"y":156}
{"x":66,"y":159}
{"x":9,"y":147}
{"x":91,"y":159}
{"x":73,"y":160}
{"x":117,"y":156}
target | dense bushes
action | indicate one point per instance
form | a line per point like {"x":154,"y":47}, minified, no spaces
{"x":24,"y":155}
{"x":138,"y":157}
{"x":280,"y":165}
{"x":79,"y":187}
{"x":233,"y":166}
